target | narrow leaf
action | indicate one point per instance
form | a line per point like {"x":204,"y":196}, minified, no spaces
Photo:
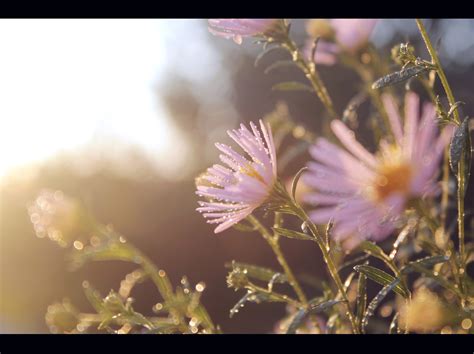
{"x":279,"y":64}
{"x":291,"y":86}
{"x":263,"y":53}
{"x":257,"y":272}
{"x":313,"y":308}
{"x":294,"y":183}
{"x":398,"y":76}
{"x":379,"y":276}
{"x":377,"y":300}
{"x":292,"y":234}
{"x":458,"y":144}
{"x":424,"y":262}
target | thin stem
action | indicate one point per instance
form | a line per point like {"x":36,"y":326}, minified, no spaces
{"x":329,"y":262}
{"x":273,"y":242}
{"x":461,"y":167}
{"x":312,"y":74}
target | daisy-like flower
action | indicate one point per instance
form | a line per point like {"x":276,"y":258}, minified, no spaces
{"x":337,"y":35}
{"x":238,"y":28}
{"x":365,"y":194}
{"x":235,"y":191}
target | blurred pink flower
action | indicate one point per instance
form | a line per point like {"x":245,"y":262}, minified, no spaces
{"x":365,"y":194}
{"x":349,"y":35}
{"x":236,"y":28}
{"x":235,"y":191}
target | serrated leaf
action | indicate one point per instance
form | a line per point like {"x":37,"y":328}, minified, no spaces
{"x":279,"y":64}
{"x":379,"y":276}
{"x":377,"y":300}
{"x":292,"y":234}
{"x":291,"y":86}
{"x":398,"y":76}
{"x":313,"y":308}
{"x":259,"y":273}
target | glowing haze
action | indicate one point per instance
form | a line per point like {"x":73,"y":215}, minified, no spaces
{"x":64,"y":83}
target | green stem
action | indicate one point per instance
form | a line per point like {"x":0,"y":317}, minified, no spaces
{"x":312,"y":74}
{"x":461,"y":167}
{"x":273,"y":242}
{"x":319,"y":239}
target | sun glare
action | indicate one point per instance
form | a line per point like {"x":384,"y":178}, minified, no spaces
{"x":65,"y":82}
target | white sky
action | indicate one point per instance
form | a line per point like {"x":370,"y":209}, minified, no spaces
{"x":65,"y":82}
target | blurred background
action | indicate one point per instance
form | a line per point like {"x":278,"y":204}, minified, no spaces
{"x":123,"y":114}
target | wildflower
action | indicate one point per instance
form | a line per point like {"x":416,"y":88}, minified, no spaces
{"x":237,"y":29}
{"x":365,"y":194}
{"x":348,"y":35}
{"x":425,"y":313}
{"x":235,"y":191}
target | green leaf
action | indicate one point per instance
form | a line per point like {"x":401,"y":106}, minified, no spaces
{"x":424,"y":262}
{"x":377,"y":300}
{"x":379,"y":276}
{"x":279,"y":64}
{"x":252,"y":296}
{"x":291,"y":86}
{"x":263,"y":53}
{"x":461,"y":148}
{"x":257,"y":272}
{"x":93,"y":296}
{"x":292,"y":234}
{"x":313,"y":307}
{"x":398,"y":76}
{"x":353,"y":262}
{"x":294,"y":183}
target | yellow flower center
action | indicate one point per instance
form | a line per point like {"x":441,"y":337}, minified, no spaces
{"x":249,"y":170}
{"x":393,"y":178}
{"x":394,"y":174}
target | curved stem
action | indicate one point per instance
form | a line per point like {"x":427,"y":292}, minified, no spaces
{"x":273,"y":242}
{"x":461,"y":167}
{"x":312,"y":74}
{"x":329,"y":262}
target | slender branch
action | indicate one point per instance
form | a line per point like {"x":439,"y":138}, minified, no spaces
{"x":461,"y":167}
{"x":329,"y":262}
{"x":312,"y":74}
{"x":273,"y":242}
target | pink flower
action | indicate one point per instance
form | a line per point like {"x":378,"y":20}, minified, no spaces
{"x":349,"y":35}
{"x":365,"y":194}
{"x":235,"y":191}
{"x":236,"y":28}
